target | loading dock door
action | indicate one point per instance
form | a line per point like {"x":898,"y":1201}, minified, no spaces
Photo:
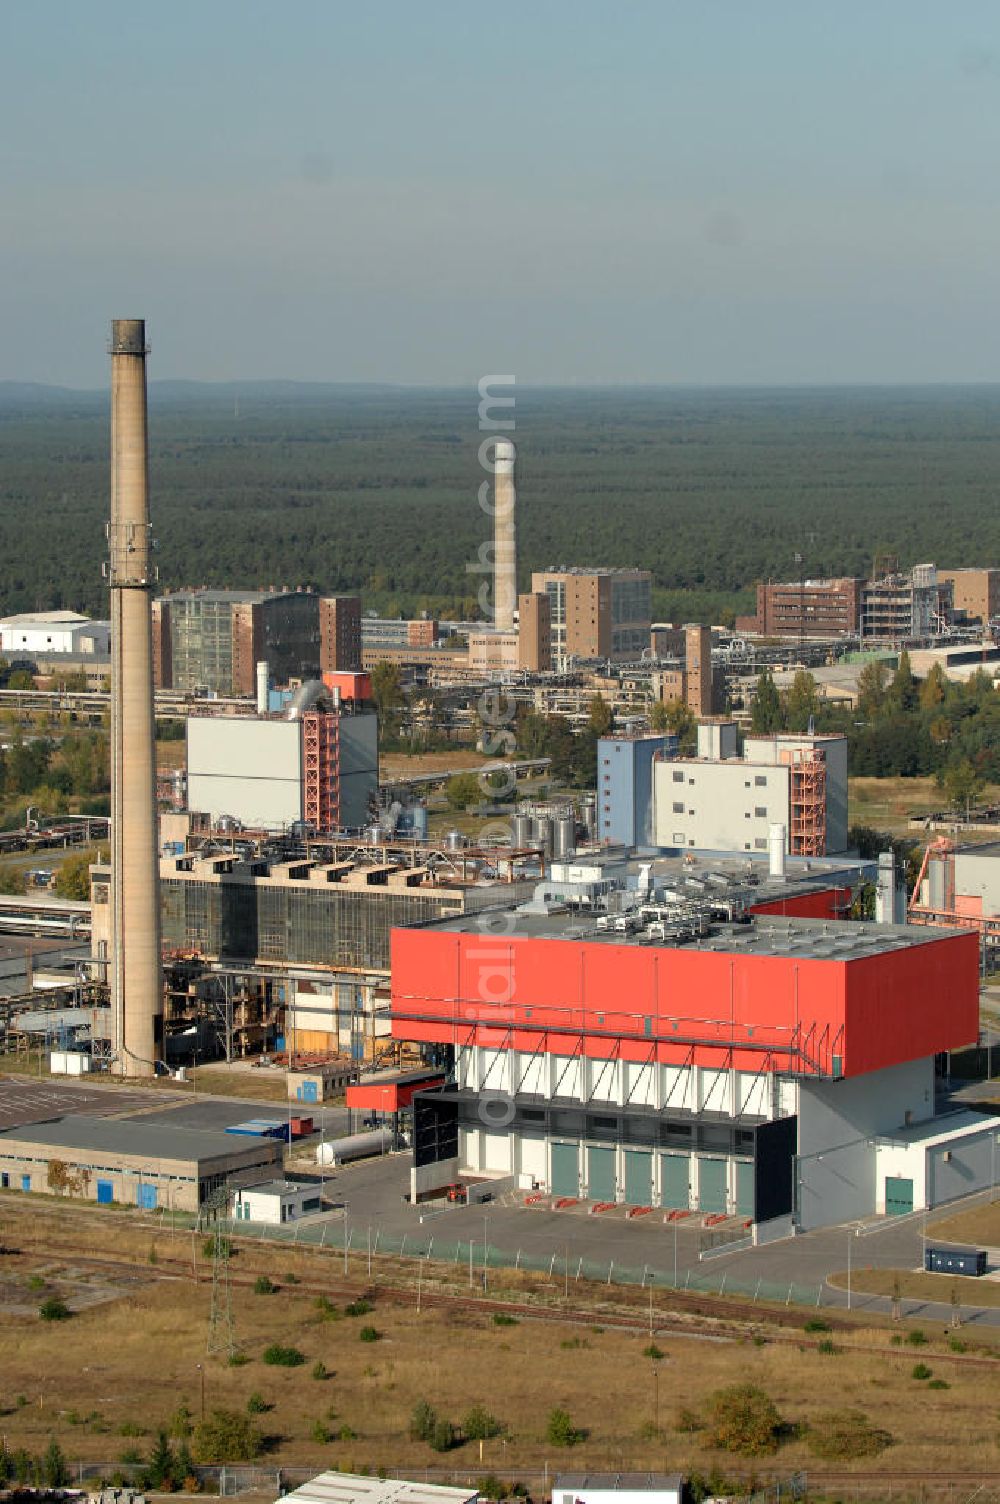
{"x":565,"y":1170}
{"x":105,"y":1191}
{"x":898,"y":1196}
{"x":146,"y":1197}
{"x":675,"y":1191}
{"x":744,"y":1189}
{"x":638,"y":1177}
{"x":712,"y":1185}
{"x":601,"y":1174}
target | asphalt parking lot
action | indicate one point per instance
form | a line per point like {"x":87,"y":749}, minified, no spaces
{"x":24,"y":1101}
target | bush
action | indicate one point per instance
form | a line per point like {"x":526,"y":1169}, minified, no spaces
{"x":423,"y":1419}
{"x":257,"y":1404}
{"x":320,"y":1433}
{"x":181,"y":1422}
{"x":743,"y":1419}
{"x":654,"y":1352}
{"x":358,"y":1308}
{"x":291,"y":1279}
{"x":129,"y":1428}
{"x":237,"y":1360}
{"x":442,"y":1438}
{"x":54,"y":1472}
{"x":347,"y":1434}
{"x":54,"y":1308}
{"x":920,"y":1371}
{"x":560,"y":1430}
{"x":217,"y":1244}
{"x":370,"y":1334}
{"x":827,"y":1346}
{"x":480,"y":1425}
{"x":500,"y":1318}
{"x":320,"y":1370}
{"x":131,"y":1456}
{"x":938,"y":1384}
{"x":817,"y":1324}
{"x":916,"y":1338}
{"x":283,"y":1357}
{"x":227,"y":1436}
{"x":687,"y":1420}
{"x":263,"y":1286}
{"x":957,"y":1345}
{"x":841,"y":1434}
{"x":326,"y":1308}
{"x":490,"y":1487}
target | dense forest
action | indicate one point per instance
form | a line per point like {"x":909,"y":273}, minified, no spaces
{"x":376,"y":489}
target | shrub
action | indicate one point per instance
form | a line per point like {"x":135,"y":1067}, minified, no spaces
{"x":129,"y":1428}
{"x":237,"y":1360}
{"x":957,"y":1345}
{"x":920,"y":1371}
{"x":347,"y":1434}
{"x":257,"y":1404}
{"x":54,"y":1308}
{"x":500,"y":1318}
{"x":490,"y":1487}
{"x":916,"y":1338}
{"x":480,"y":1425}
{"x":54,"y":1472}
{"x":263,"y":1286}
{"x":320,"y":1370}
{"x":160,"y":1467}
{"x":838,"y":1434}
{"x":131,"y":1456}
{"x":291,"y":1279}
{"x":36,"y":1282}
{"x":827,"y":1346}
{"x":320,"y":1433}
{"x":743,"y":1419}
{"x":687,"y":1420}
{"x":283,"y":1357}
{"x":227,"y":1436}
{"x":560,"y":1430}
{"x":326,"y":1308}
{"x":370,"y":1334}
{"x":817,"y":1324}
{"x":181,"y":1422}
{"x":442,"y":1438}
{"x":423,"y":1419}
{"x":938,"y":1384}
{"x":217,"y":1245}
{"x":654,"y":1352}
{"x":358,"y":1308}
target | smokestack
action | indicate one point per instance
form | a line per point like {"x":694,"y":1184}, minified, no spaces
{"x":504,"y":535}
{"x":135,"y":971}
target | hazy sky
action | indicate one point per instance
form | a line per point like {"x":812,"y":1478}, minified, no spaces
{"x":682,"y":190}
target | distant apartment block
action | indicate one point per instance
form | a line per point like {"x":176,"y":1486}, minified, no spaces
{"x":596,"y":612}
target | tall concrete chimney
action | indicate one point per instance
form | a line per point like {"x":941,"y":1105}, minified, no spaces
{"x":504,"y":535}
{"x":135,"y":969}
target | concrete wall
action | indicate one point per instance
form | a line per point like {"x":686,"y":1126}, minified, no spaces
{"x":719,"y":803}
{"x":978,"y":876}
{"x":246,"y":768}
{"x":837,"y":1120}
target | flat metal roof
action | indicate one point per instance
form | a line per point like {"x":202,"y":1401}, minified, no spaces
{"x":131,"y":1135}
{"x":633,"y":1482}
{"x":349,"y":1488}
{"x":767,"y":935}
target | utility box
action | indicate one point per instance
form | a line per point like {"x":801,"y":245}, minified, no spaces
{"x":955,"y":1261}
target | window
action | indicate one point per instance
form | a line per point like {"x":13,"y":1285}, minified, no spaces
{"x":678,"y":777}
{"x":760,"y":810}
{"x":678,"y":806}
{"x":760,"y":779}
{"x":760,"y":844}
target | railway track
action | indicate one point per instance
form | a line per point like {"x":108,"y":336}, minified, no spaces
{"x":699,"y":1317}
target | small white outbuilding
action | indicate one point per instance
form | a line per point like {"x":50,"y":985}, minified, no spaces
{"x":275,"y":1201}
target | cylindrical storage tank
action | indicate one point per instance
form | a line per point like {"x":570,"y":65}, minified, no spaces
{"x":520,"y":832}
{"x":936,"y":881}
{"x":589,"y":817}
{"x":420,"y":827}
{"x":335,"y":697}
{"x":262,"y":688}
{"x":542,"y":834}
{"x":454,"y":840}
{"x":776,"y":850}
{"x":373,"y":834}
{"x":355,"y":1146}
{"x":564,"y":836}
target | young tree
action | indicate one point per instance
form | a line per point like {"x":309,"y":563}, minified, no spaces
{"x":55,"y":1473}
{"x":744,"y":1419}
{"x":902,"y":693}
{"x":801,"y":701}
{"x":962,"y":784}
{"x":463,"y":790}
{"x":934,"y":688}
{"x":871,"y":688}
{"x":766,"y":712}
{"x":600,"y":717}
{"x":389,"y":699}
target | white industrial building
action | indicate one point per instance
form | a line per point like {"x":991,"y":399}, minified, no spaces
{"x":256,"y":769}
{"x":721,"y":801}
{"x":275,"y":1201}
{"x":618,"y":1488}
{"x":49,"y":632}
{"x":350,"y":1488}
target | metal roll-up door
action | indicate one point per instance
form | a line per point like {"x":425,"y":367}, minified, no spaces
{"x":601,"y":1174}
{"x":565,"y":1179}
{"x":712,"y":1185}
{"x":638,"y":1177}
{"x":675,"y":1181}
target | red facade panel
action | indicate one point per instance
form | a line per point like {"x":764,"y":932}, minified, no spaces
{"x":748,"y":1012}
{"x":828,"y":903}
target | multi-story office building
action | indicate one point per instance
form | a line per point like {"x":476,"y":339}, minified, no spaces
{"x":906,"y":607}
{"x":807,"y":608}
{"x":210,"y":641}
{"x":596,"y":613}
{"x":340,"y":634}
{"x":975,"y":591}
{"x":625,"y":787}
{"x":526,"y":647}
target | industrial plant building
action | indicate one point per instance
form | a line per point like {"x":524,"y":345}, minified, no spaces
{"x":526,"y":647}
{"x":756,"y":1068}
{"x":316,"y":764}
{"x":975,"y":592}
{"x":692,"y":680}
{"x":806,"y":608}
{"x":722,"y":801}
{"x":210,"y":641}
{"x":596,"y":612}
{"x":54,"y":634}
{"x":133,"y":1162}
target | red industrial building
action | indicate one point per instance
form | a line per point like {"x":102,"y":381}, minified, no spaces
{"x":751,"y":1069}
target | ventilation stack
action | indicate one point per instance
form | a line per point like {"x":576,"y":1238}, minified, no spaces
{"x":135,"y":970}
{"x":504,"y":535}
